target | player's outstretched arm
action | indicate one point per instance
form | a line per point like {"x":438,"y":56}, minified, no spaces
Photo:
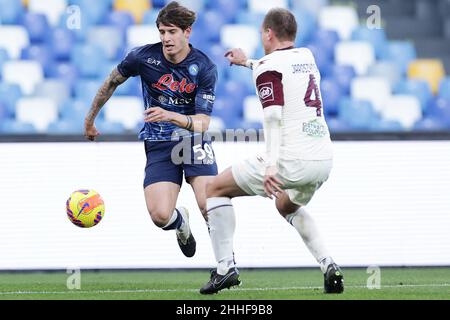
{"x":197,"y":122}
{"x":238,"y":57}
{"x":103,"y":94}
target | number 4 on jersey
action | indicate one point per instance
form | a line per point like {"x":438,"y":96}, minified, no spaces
{"x":312,"y":97}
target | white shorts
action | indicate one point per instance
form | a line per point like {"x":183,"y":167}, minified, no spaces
{"x":301,"y":178}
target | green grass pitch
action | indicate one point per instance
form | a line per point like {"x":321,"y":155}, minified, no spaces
{"x":257,"y":284}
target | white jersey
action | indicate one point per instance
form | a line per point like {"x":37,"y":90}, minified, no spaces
{"x":290,"y":78}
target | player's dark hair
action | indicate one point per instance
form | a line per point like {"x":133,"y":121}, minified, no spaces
{"x":282,"y":22}
{"x":175,"y":14}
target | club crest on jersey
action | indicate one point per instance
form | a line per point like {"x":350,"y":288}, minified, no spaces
{"x":193,"y":69}
{"x":265,"y":92}
{"x":167,"y":82}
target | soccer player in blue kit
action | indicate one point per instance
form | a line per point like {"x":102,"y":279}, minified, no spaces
{"x":178,"y":83}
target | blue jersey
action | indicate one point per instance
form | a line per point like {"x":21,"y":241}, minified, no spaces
{"x":186,"y":88}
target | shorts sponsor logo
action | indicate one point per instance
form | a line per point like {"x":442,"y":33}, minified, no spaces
{"x":265,"y":92}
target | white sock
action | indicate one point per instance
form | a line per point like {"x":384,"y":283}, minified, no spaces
{"x":221,"y":220}
{"x":306,"y":227}
{"x":176,"y":221}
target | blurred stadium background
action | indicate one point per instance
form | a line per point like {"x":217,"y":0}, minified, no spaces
{"x":386,"y":203}
{"x":54,"y":55}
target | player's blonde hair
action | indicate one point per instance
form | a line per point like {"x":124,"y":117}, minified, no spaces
{"x":175,"y":14}
{"x":282,"y":22}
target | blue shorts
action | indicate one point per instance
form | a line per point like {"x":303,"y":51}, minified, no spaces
{"x":168,"y":160}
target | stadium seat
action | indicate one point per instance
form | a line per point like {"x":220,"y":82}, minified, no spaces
{"x":38,"y":111}
{"x":16,"y":127}
{"x":54,"y":89}
{"x":216,"y":124}
{"x":419,"y":88}
{"x":65,"y":72}
{"x":405,"y":109}
{"x":139,"y":35}
{"x":430,"y":124}
{"x":149,"y":16}
{"x":85,"y":90}
{"x":11,"y":12}
{"x":135,"y":7}
{"x":386,"y":69}
{"x":40,"y":53}
{"x":336,"y":125}
{"x":212,"y":21}
{"x":440,"y":108}
{"x":121,"y":19}
{"x":430,"y":70}
{"x":4,"y":112}
{"x":327,"y":39}
{"x":94,"y":11}
{"x":357,"y":114}
{"x":4,"y":56}
{"x":400,"y":53}
{"x":307,"y":5}
{"x":195,"y":5}
{"x":374,"y":89}
{"x":89,"y":59}
{"x":241,"y":75}
{"x":307,"y":25}
{"x":110,"y":39}
{"x":259,"y":6}
{"x":323,"y":58}
{"x":13,"y":39}
{"x":25,"y":73}
{"x":386,"y":126}
{"x":228,"y":8}
{"x":252,"y":110}
{"x":125,"y":110}
{"x":65,"y":127}
{"x":343,"y":75}
{"x":37,"y":27}
{"x":240,"y":36}
{"x":9,"y":94}
{"x":110,"y":127}
{"x":53,"y":9}
{"x":444,"y":87}
{"x":331,"y":94}
{"x":226,"y":109}
{"x":376,"y":37}
{"x":248,"y":17}
{"x":75,"y":111}
{"x":358,"y":54}
{"x":342,"y":19}
{"x":62,"y":41}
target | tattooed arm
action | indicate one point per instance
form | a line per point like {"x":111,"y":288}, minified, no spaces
{"x":103,"y":94}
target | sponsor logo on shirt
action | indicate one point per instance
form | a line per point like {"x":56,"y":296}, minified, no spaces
{"x":265,"y":92}
{"x":209,"y":97}
{"x":167,"y":82}
{"x":153,"y":61}
{"x":314,"y":129}
{"x":175,"y":101}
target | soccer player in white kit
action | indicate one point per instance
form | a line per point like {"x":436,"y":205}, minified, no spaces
{"x":298,"y":157}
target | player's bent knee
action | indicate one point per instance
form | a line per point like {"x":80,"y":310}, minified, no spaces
{"x":212,"y":188}
{"x":160,"y":217}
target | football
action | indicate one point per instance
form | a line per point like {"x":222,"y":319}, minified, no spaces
{"x":85,"y":208}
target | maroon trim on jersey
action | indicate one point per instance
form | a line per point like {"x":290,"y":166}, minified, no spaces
{"x":270,"y":89}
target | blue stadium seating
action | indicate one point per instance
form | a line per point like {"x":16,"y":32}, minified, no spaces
{"x":431,"y":124}
{"x":16,"y":127}
{"x":9,"y":94}
{"x":444,"y":88}
{"x":358,"y":114}
{"x":343,"y":75}
{"x":89,"y":59}
{"x":419,"y":88}
{"x":37,"y":26}
{"x":11,"y":12}
{"x":62,"y":41}
{"x":440,"y":108}
{"x":66,"y":126}
{"x":41,"y":53}
{"x":376,"y":37}
{"x":331,"y":95}
{"x":399,"y":52}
